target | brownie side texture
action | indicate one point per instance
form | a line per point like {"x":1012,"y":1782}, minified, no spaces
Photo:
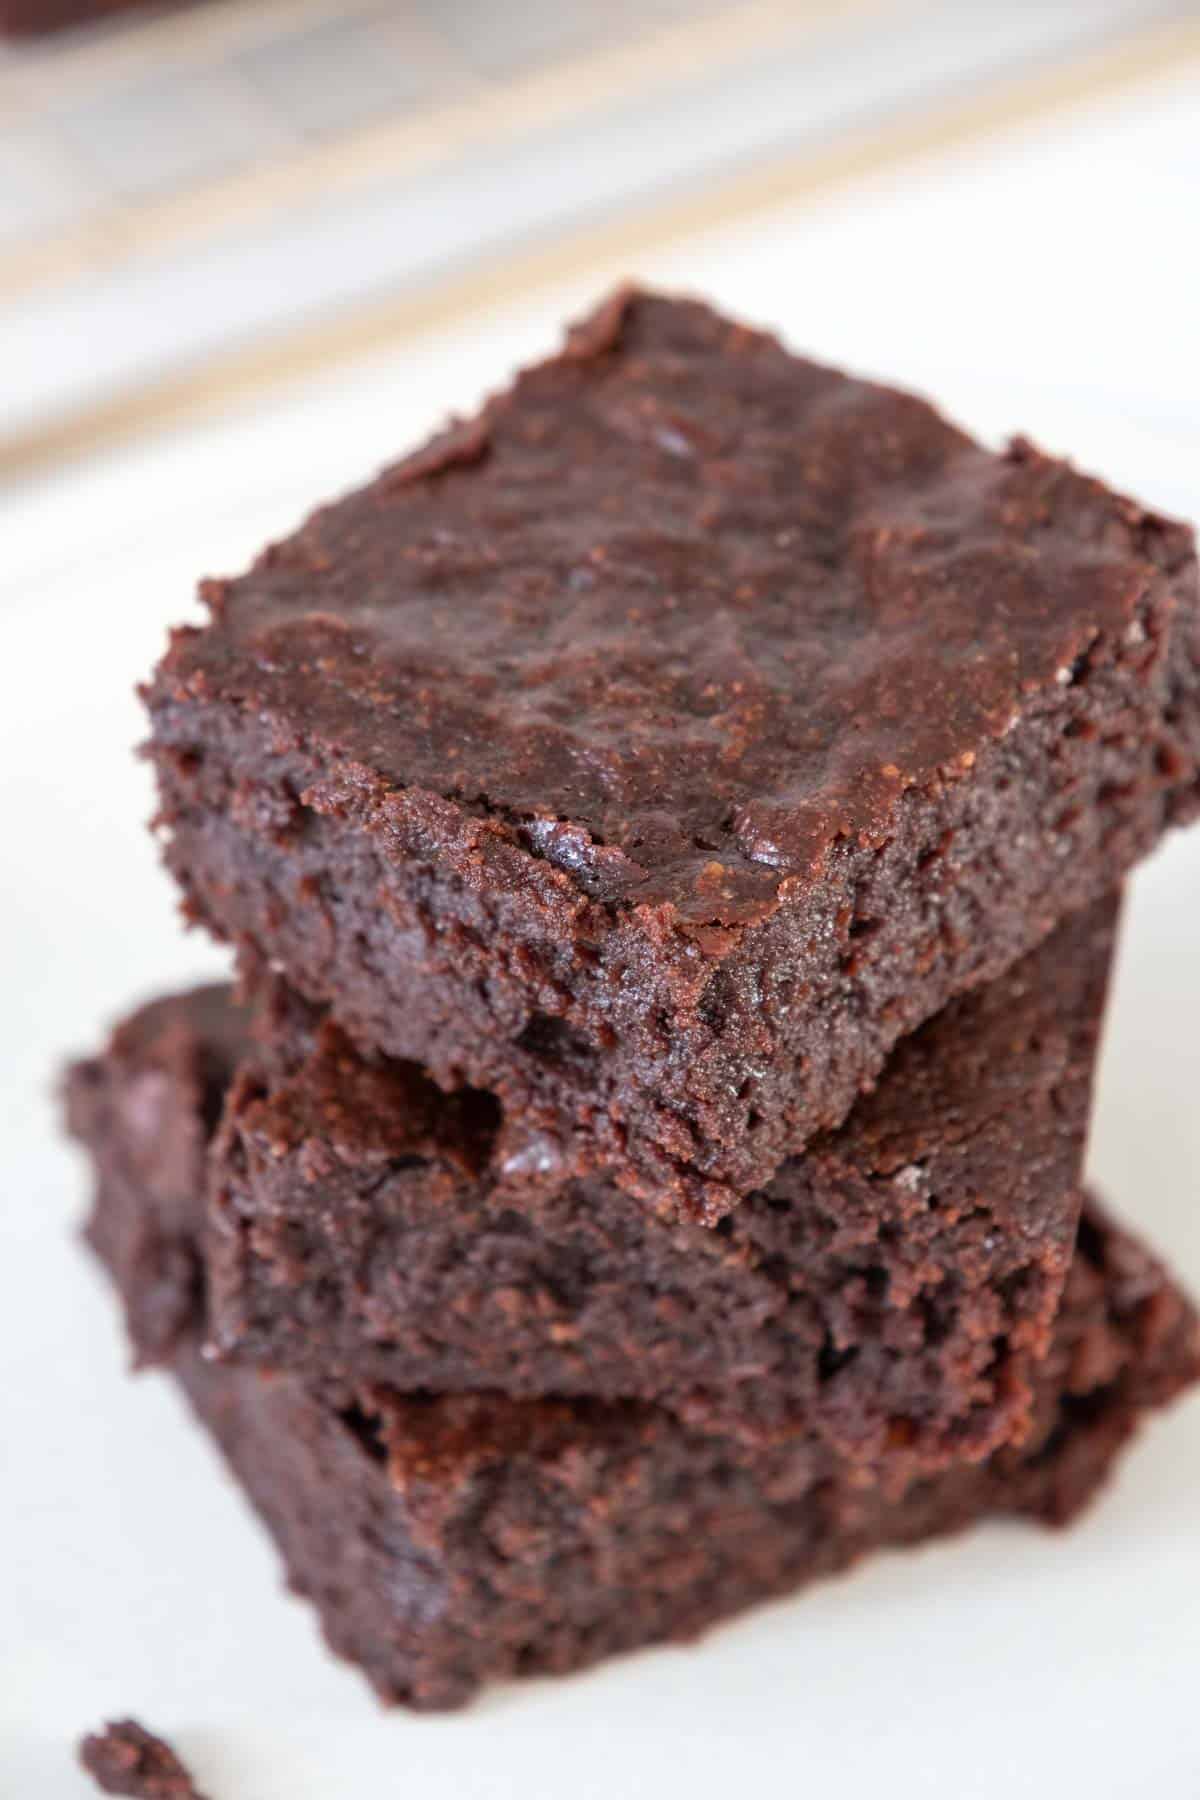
{"x":658,"y":748}
{"x":473,"y":1539}
{"x":127,"y":1759}
{"x":446,"y":1542}
{"x":147,"y":1109}
{"x":890,"y":1287}
{"x":449,"y":1541}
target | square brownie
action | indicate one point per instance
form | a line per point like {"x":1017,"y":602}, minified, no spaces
{"x":658,"y":748}
{"x":890,"y":1288}
{"x":450,"y":1541}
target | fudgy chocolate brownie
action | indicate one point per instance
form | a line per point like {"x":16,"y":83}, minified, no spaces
{"x":890,"y":1287}
{"x":657,"y":749}
{"x":447,"y":1541}
{"x":127,"y":1759}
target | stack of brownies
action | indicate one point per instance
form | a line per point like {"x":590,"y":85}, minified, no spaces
{"x":671,"y":831}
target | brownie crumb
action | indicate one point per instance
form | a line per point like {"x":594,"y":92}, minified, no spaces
{"x":125,"y":1758}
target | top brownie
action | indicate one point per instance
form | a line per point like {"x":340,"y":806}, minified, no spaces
{"x":658,"y":747}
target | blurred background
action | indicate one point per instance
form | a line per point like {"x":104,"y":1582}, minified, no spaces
{"x":220,"y":194}
{"x":251,"y":249}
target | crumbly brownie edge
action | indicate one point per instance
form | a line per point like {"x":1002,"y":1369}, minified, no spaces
{"x":125,"y":1758}
{"x":145,"y":1111}
{"x":689,"y":1070}
{"x":477,"y":1539}
{"x":892,"y":1284}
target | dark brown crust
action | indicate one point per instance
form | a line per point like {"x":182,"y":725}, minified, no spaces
{"x":890,"y":1287}
{"x":127,"y":1759}
{"x":446,"y":1542}
{"x":659,"y":748}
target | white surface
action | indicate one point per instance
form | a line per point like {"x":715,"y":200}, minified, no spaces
{"x":1046,"y":284}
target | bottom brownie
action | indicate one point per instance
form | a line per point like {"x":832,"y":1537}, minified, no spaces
{"x":448,"y":1541}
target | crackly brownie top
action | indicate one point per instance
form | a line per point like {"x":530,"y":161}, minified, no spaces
{"x":678,"y":610}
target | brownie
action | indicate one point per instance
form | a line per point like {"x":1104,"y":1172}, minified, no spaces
{"x":447,"y":1541}
{"x":127,"y":1759}
{"x":659,"y":747}
{"x":890,"y":1286}
{"x":155,"y":1097}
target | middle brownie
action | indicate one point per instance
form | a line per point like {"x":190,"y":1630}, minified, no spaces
{"x":893,"y":1286}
